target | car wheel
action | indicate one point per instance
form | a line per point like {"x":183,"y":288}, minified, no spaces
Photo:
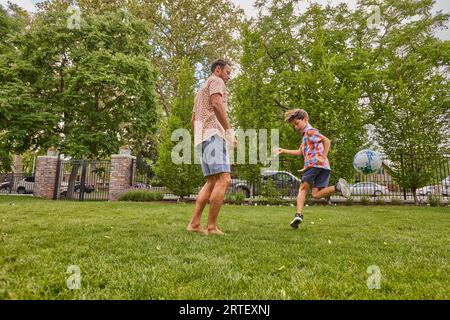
{"x":378,"y":193}
{"x":21,"y":190}
{"x":245,"y":191}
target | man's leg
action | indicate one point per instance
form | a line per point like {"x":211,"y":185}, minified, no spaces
{"x":202,"y":200}
{"x":216,"y":201}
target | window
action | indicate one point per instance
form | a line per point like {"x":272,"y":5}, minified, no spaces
{"x":283,"y":177}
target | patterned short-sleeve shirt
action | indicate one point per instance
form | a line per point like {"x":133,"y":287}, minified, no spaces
{"x":311,"y":147}
{"x":206,"y":121}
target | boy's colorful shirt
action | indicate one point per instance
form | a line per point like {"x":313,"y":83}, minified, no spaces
{"x":311,"y":147}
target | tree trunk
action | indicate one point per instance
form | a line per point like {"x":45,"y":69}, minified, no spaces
{"x":72,"y":180}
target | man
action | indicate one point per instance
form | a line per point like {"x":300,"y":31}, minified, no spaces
{"x":212,"y":130}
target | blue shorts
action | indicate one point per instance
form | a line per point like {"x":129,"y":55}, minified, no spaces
{"x":215,"y":158}
{"x":317,"y":177}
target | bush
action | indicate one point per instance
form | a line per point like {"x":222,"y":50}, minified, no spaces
{"x":434,"y":201}
{"x":141,"y":196}
{"x":269,"y":190}
{"x":365,"y":200}
{"x":235,"y":198}
{"x":396,"y":201}
{"x":349,"y":202}
{"x":379,"y":202}
{"x":276,"y":201}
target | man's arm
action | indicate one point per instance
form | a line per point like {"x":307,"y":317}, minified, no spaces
{"x":219,"y":111}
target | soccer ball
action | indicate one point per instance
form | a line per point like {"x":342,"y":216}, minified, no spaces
{"x":367,"y":161}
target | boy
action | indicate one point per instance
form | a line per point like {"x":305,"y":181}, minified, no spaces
{"x":317,"y":171}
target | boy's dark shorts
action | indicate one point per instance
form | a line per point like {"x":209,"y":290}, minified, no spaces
{"x":317,"y":177}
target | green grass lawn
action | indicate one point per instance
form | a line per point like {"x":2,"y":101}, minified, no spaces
{"x":142,"y":251}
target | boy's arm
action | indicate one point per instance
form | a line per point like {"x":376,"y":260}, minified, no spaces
{"x":291,"y":152}
{"x":326,"y":147}
{"x":316,"y":137}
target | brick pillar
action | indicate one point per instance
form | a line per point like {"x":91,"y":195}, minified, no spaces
{"x":120,"y":175}
{"x":44,"y":183}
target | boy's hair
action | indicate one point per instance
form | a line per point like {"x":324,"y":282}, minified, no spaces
{"x":294,"y":114}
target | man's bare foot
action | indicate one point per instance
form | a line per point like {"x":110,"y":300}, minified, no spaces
{"x":216,"y":232}
{"x":197,"y":229}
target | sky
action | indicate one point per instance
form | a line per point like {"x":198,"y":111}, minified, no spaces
{"x":443,"y":5}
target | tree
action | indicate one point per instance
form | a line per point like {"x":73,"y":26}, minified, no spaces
{"x":12,"y":23}
{"x":85,"y":91}
{"x":305,"y":60}
{"x":198,"y":30}
{"x":407,"y":90}
{"x":182,"y":179}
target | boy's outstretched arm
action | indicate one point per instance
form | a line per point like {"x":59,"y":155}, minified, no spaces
{"x":291,"y":152}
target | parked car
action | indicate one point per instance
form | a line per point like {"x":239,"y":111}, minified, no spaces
{"x":282,"y":180}
{"x":26,"y":185}
{"x":427,"y":191}
{"x":77,"y":187}
{"x":369,"y":188}
{"x":442,"y":188}
{"x":142,"y":185}
{"x":5,"y":186}
{"x":446,"y":187}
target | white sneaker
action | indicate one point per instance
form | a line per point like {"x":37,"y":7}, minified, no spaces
{"x":342,"y":186}
{"x":297,"y":220}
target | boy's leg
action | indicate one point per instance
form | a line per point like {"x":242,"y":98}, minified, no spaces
{"x":343,"y":188}
{"x":322,"y":190}
{"x":301,"y":198}
{"x":319,"y":193}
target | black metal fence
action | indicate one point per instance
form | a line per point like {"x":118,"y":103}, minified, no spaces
{"x":17,"y":183}
{"x":284,"y":183}
{"x":142,"y":174}
{"x":144,"y":178}
{"x":425,"y":183}
{"x":82,"y":180}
